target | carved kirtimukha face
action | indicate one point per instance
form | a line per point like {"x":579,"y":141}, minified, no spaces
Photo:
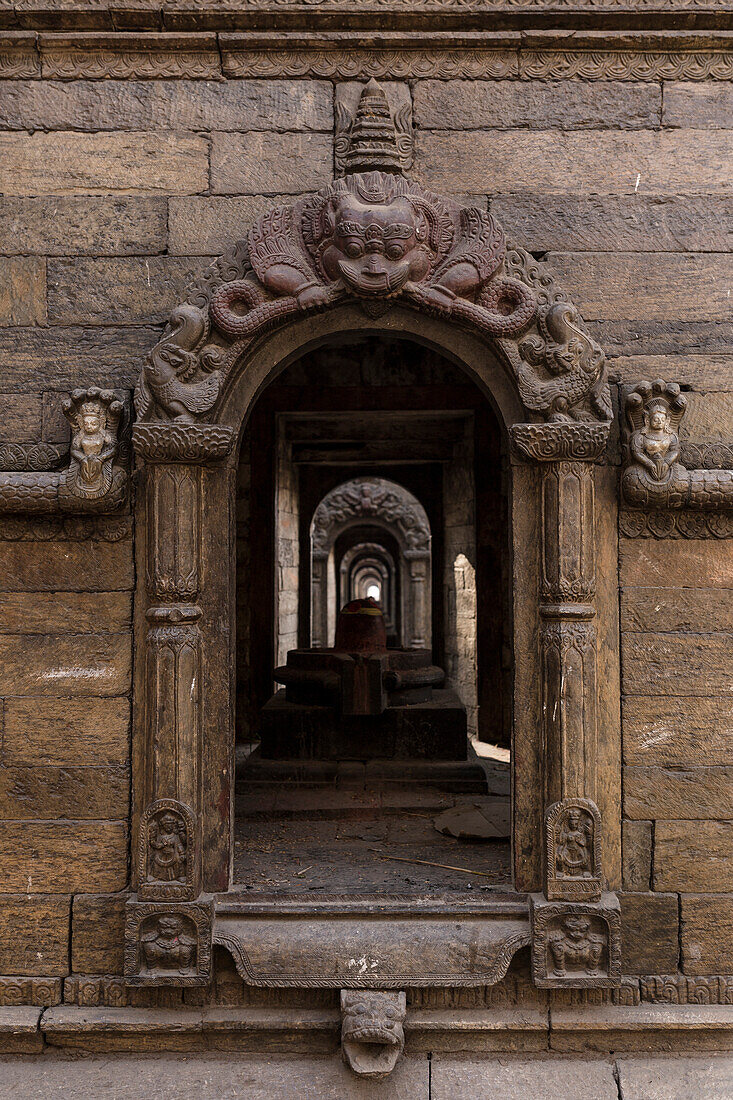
{"x":376,"y":249}
{"x":576,"y":928}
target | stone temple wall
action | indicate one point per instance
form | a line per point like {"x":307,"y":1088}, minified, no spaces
{"x":132,"y":152}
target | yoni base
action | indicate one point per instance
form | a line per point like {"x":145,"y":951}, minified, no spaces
{"x":434,"y":730}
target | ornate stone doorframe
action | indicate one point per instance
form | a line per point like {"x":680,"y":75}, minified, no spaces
{"x":388,"y":505}
{"x":375,"y":253}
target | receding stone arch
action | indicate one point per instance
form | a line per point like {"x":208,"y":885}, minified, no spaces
{"x":385,"y":504}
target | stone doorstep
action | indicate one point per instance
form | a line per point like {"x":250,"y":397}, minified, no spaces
{"x":675,"y":1029}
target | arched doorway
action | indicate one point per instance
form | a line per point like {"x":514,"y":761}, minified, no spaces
{"x":499,"y":316}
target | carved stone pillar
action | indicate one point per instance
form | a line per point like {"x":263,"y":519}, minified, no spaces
{"x":166,"y":939}
{"x":416,"y":601}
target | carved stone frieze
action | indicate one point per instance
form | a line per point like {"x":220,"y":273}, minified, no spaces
{"x":679,"y":989}
{"x":31,"y":456}
{"x":167,"y":856}
{"x":168,"y":943}
{"x":95,"y":990}
{"x":552,"y":442}
{"x":92,"y":482}
{"x":576,"y":944}
{"x":71,"y":528}
{"x":682,"y":524}
{"x":166,"y":441}
{"x":573,"y":851}
{"x":654,"y":479}
{"x":29,"y":991}
{"x":630,"y":64}
{"x":118,"y":56}
{"x":372,"y":1035}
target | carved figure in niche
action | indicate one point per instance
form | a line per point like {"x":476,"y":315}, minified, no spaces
{"x":656,"y":445}
{"x":573,"y":853}
{"x":575,"y":947}
{"x":167,"y":844}
{"x":94,"y":416}
{"x":170,"y":944}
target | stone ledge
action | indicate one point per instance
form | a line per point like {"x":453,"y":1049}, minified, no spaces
{"x":19,"y":1030}
{"x":450,"y":1030}
{"x":675,"y":1029}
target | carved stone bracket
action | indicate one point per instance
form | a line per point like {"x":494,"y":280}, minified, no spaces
{"x":584,"y":441}
{"x":372,"y":1035}
{"x":168,"y":943}
{"x":576,"y":944}
{"x":92,"y":482}
{"x":163,"y":441}
{"x":573,"y":851}
{"x":654,"y":478}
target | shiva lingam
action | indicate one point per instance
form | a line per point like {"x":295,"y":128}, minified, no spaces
{"x":361,"y":699}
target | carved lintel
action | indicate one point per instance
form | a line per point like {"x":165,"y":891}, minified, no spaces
{"x":573,"y":851}
{"x":576,"y":944}
{"x":166,"y":441}
{"x":654,"y":478}
{"x":552,"y":442}
{"x":91,"y":483}
{"x":168,"y":943}
{"x":372,"y":1033}
{"x":167,"y":856}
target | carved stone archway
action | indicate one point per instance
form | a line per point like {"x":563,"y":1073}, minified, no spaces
{"x":385,"y":504}
{"x":375,"y":253}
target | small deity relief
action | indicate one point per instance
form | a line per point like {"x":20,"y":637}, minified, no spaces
{"x":654,"y":412}
{"x":94,"y":416}
{"x":169,"y":944}
{"x":166,"y":851}
{"x":573,"y":850}
{"x":167,"y":843}
{"x":575,"y":947}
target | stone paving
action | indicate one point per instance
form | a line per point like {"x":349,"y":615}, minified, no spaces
{"x":249,"y":1077}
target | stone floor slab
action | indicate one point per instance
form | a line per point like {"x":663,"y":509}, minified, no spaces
{"x":203,"y":1077}
{"x":522,"y":1079}
{"x":676,"y":1078}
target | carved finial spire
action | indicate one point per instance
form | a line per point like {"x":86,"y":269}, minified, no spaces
{"x":373,"y":138}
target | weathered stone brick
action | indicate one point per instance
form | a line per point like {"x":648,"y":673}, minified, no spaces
{"x":604,"y":162}
{"x":663,"y":338}
{"x":22,"y":291}
{"x":206,"y":225}
{"x":693,"y":859}
{"x":254,"y":163}
{"x":70,"y":566}
{"x":65,"y":664}
{"x":650,"y":933}
{"x":652,"y":285}
{"x":707,"y":933}
{"x":121,"y":290}
{"x":545,"y":105}
{"x":704,"y":104}
{"x":62,"y":358}
{"x":167,"y":105}
{"x":76,"y":164}
{"x":97,"y":933}
{"x":708,"y":417}
{"x":34,"y":934}
{"x":680,"y":793}
{"x":62,"y":225}
{"x":636,"y":845}
{"x":696,"y":610}
{"x":83,"y":731}
{"x":617,"y":223}
{"x":709,"y":372}
{"x":20,"y":417}
{"x":41,"y":857}
{"x":676,"y":664}
{"x":677,"y":731}
{"x":682,"y":563}
{"x":49,"y":793}
{"x":65,"y":612}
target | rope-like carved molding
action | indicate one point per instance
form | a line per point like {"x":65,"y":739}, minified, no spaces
{"x":92,"y":482}
{"x":654,"y":480}
{"x":150,"y":56}
{"x":18,"y":55}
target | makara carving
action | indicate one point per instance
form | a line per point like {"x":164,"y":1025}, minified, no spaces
{"x":372,"y":1035}
{"x":376,"y":238}
{"x":576,"y":944}
{"x":573,"y":860}
{"x":166,"y":857}
{"x":92,"y":482}
{"x":654,"y":477}
{"x":168,"y":943}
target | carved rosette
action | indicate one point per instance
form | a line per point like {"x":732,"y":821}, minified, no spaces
{"x":576,"y":944}
{"x":573,"y":851}
{"x":168,"y":943}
